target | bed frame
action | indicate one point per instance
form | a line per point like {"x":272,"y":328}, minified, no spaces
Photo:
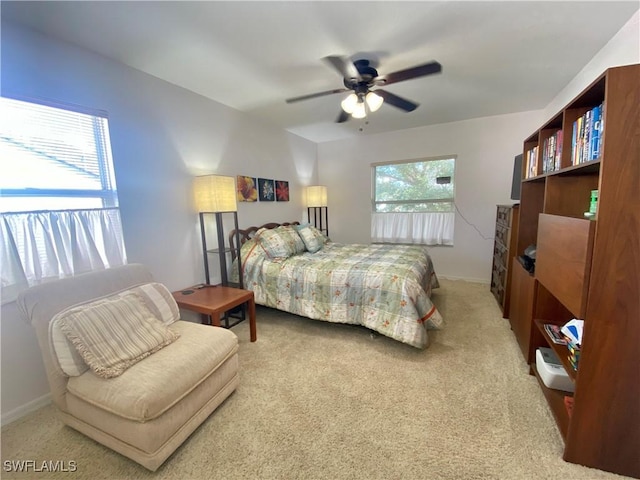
{"x":247,"y":234}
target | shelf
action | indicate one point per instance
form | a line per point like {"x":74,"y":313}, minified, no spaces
{"x":587,"y":268}
{"x":561,"y":351}
{"x":217,"y":250}
{"x":555,"y":399}
{"x":586,"y":168}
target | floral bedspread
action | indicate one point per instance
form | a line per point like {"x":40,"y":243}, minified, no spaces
{"x":385,"y":288}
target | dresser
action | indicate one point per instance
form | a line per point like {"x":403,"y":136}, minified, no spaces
{"x":504,"y":250}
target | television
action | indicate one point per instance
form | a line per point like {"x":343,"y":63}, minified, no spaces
{"x":517,"y":178}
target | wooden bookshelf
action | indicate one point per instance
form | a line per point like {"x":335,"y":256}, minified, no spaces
{"x":588,"y":269}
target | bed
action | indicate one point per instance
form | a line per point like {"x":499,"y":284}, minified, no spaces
{"x":386,"y":288}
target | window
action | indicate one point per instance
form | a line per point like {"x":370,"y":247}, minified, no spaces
{"x":414,"y":201}
{"x":414,"y":186}
{"x":58,"y":197}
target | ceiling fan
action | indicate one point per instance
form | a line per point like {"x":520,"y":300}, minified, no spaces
{"x":360,"y":77}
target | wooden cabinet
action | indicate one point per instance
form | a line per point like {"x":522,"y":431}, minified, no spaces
{"x":587,"y":268}
{"x":504,"y":248}
{"x":523,"y":291}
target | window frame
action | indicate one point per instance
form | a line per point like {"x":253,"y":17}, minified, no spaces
{"x":44,"y":242}
{"x":108,"y":194}
{"x":375,"y":202}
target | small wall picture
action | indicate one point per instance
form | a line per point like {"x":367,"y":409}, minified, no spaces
{"x":266,"y":190}
{"x":282,"y":191}
{"x":246,"y":189}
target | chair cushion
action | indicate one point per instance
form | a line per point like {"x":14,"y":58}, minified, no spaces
{"x":156,"y":297}
{"x":152,"y":386}
{"x":113,"y":334}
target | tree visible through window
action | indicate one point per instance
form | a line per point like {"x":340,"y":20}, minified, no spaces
{"x":414,"y":186}
{"x":413,"y":201}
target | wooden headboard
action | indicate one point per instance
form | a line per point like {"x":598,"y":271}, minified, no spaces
{"x":247,"y":234}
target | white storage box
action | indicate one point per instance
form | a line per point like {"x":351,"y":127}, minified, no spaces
{"x":551,"y":371}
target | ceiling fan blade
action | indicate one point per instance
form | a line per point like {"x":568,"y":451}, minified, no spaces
{"x":343,"y":117}
{"x":344,"y":66}
{"x":414,"y":72}
{"x":314,"y":95}
{"x":397,"y":101}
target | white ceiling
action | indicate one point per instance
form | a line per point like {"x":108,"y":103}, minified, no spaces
{"x":497,"y":57}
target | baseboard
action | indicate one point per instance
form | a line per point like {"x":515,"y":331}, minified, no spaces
{"x":466,"y":279}
{"x":25,"y":409}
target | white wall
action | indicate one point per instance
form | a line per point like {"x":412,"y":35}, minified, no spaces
{"x":485,"y":149}
{"x":161,"y":136}
{"x":622,"y":49}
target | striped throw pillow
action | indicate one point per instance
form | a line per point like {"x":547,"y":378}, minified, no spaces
{"x":111,"y":335}
{"x":159,"y":300}
{"x":155,"y":296}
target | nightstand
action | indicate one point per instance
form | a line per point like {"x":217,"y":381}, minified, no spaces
{"x":214,"y":300}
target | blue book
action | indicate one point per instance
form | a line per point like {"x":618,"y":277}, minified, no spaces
{"x":596,"y":137}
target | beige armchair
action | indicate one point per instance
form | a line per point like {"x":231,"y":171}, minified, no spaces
{"x":148,"y":411}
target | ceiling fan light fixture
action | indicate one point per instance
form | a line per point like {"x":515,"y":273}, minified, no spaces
{"x":359,"y":111}
{"x":349,"y":103}
{"x":374,"y":101}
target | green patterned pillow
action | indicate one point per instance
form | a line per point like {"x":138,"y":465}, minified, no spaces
{"x":276,"y":246}
{"x":322,"y":238}
{"x":311,"y":241}
{"x":291,"y":237}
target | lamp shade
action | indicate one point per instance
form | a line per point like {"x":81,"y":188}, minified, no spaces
{"x":374,"y":101}
{"x":215,"y":193}
{"x":349,"y":103}
{"x":359,"y":111}
{"x":317,"y":196}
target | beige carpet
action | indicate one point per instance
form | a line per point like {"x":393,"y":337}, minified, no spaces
{"x":324,"y":401}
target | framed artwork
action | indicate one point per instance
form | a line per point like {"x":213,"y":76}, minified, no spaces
{"x":282,"y":191}
{"x":266,"y":190}
{"x":246,"y":189}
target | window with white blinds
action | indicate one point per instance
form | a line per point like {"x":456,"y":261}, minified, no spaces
{"x":58,"y":198}
{"x":53,"y":158}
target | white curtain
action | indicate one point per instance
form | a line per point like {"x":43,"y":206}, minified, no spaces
{"x":39,"y":246}
{"x":423,"y":228}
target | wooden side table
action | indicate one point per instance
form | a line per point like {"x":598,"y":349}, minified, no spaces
{"x":214,"y":300}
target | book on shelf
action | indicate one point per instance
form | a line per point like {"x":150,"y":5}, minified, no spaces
{"x":532,"y":162}
{"x":586,"y":137}
{"x":552,"y":152}
{"x":596,"y":134}
{"x":555,"y":334}
{"x":558,"y":152}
